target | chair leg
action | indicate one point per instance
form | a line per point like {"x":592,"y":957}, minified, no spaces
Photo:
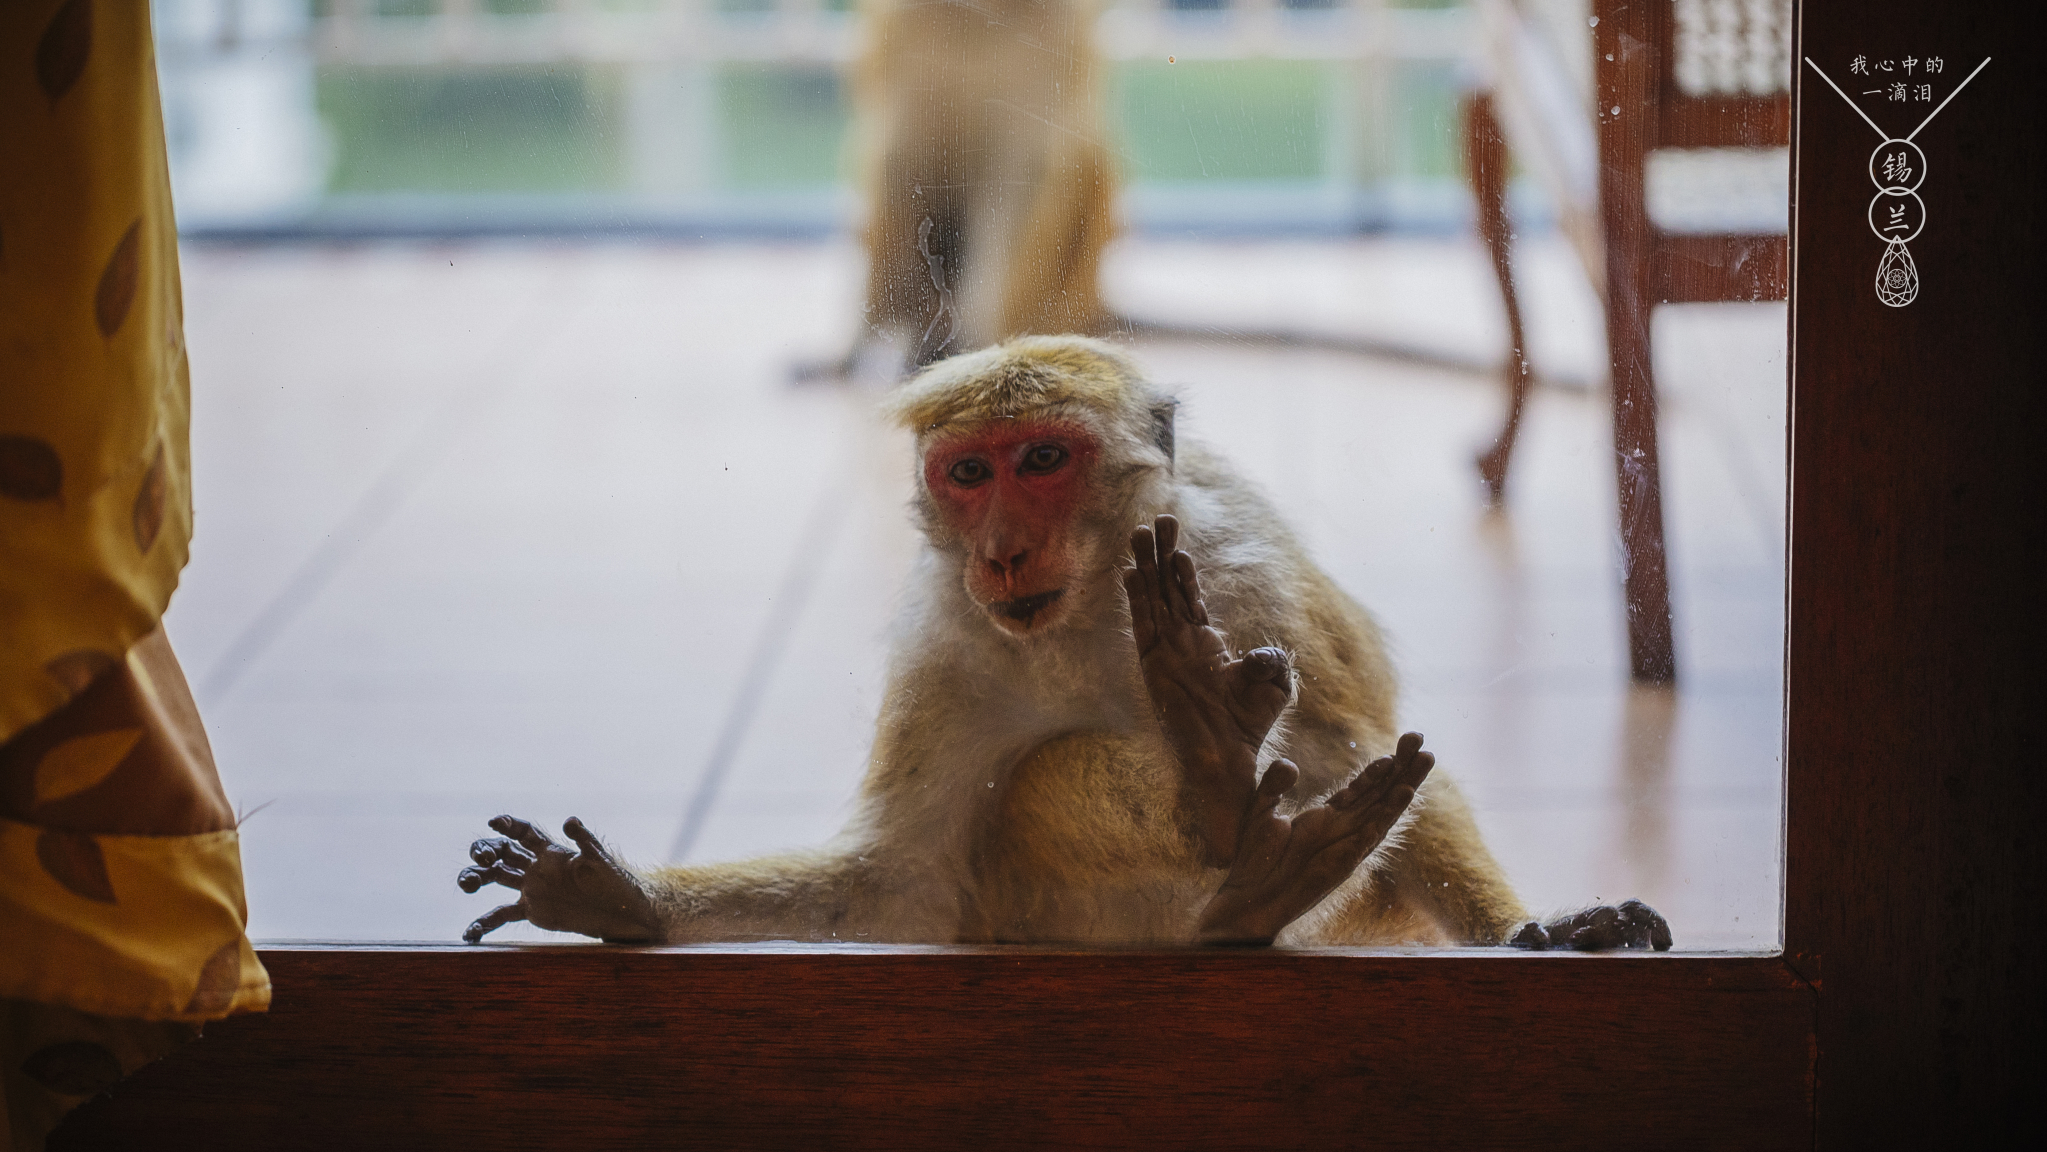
{"x":1645,"y":575}
{"x":1485,"y":164}
{"x":1627,"y":86}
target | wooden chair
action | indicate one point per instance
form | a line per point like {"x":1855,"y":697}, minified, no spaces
{"x":1664,"y":74}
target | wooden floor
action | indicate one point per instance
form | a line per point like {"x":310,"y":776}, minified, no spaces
{"x":548,"y":530}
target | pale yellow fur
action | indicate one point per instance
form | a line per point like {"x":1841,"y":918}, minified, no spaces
{"x":1019,"y":789}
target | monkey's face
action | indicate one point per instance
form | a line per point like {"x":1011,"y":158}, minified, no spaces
{"x":1013,"y":492}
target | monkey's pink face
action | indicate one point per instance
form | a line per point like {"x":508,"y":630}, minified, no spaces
{"x":1013,"y":490}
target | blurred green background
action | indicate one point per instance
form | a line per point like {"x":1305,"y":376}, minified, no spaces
{"x":569,"y":128}
{"x":428,"y":114}
{"x":559,"y":128}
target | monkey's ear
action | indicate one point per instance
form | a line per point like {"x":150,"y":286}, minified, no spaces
{"x":1162,"y":426}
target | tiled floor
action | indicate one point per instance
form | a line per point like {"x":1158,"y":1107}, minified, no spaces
{"x":505,"y":527}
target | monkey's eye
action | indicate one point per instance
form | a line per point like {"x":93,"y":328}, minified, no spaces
{"x":1043,"y":458}
{"x":969,"y":472}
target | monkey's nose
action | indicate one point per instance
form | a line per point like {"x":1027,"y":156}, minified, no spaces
{"x":1003,"y":567}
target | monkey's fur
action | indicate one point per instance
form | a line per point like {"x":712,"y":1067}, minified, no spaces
{"x":1020,"y":788}
{"x":989,"y":185}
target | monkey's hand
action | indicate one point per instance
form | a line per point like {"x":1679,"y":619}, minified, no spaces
{"x":1632,"y":924}
{"x":1215,"y":709}
{"x":560,"y":889}
{"x":1285,"y":867}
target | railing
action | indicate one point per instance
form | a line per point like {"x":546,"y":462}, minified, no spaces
{"x":250,"y":148}
{"x":365,"y":32}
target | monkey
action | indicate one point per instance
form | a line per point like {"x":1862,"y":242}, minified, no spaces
{"x":988,"y":180}
{"x":1067,"y":750}
{"x":1216,"y":712}
{"x":984,"y":161}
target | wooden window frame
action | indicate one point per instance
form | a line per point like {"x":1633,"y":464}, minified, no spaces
{"x":1912,"y":880}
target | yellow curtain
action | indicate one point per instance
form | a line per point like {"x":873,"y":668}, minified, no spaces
{"x":121,"y":910}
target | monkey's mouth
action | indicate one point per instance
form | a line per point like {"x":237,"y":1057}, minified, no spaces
{"x":1024,"y":609}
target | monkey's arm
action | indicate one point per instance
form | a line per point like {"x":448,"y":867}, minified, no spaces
{"x":1443,"y":873}
{"x":816,"y":895}
{"x":1215,"y":711}
{"x":820,"y":895}
{"x":1286,"y":866}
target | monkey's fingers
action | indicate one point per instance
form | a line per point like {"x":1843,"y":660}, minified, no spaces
{"x":1411,"y":765}
{"x":585,"y":839}
{"x":1364,"y":827}
{"x":1144,"y":626}
{"x":1366,"y":783}
{"x":1631,"y":925}
{"x":1172,"y":574}
{"x":1389,"y":791}
{"x":493,"y":920}
{"x":1265,"y":831}
{"x":492,"y":850}
{"x":1602,"y":931}
{"x":1147,"y":591}
{"x":472,"y":879}
{"x":1165,"y":584}
{"x":1351,"y":824}
{"x":1265,"y":666}
{"x":1279,"y":779}
{"x":1186,"y":584}
{"x":533,"y":838}
{"x":1167,"y":588}
{"x":1143,"y":552}
{"x":1598,"y":929}
{"x":1167,"y":527}
{"x":1258,"y":687}
{"x":1537,"y":935}
{"x":1658,"y":928}
{"x":1261,"y":833}
{"x":1384,"y":777}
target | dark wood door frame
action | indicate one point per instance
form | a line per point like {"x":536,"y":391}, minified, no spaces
{"x":1913,"y":871}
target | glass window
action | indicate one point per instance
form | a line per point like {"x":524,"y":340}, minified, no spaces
{"x":522,"y":484}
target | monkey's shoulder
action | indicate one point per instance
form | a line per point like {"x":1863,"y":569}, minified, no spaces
{"x":1265,"y":589}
